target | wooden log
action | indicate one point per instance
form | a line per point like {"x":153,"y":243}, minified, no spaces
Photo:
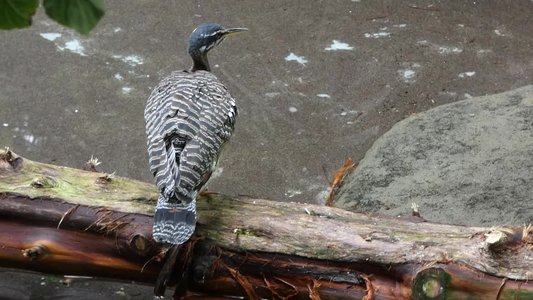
{"x":65,"y":221}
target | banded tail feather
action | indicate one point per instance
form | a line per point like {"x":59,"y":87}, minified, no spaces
{"x":174,"y":221}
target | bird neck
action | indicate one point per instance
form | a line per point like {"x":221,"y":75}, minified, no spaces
{"x":199,"y":61}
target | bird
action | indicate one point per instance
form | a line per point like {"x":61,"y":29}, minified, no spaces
{"x":189,"y":116}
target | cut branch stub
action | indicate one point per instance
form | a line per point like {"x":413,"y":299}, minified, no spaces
{"x":430,"y":283}
{"x":453,"y":281}
{"x":9,"y":162}
{"x":35,"y":252}
{"x":141,"y":244}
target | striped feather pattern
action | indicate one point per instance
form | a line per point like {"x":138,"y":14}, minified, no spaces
{"x":188,"y":117}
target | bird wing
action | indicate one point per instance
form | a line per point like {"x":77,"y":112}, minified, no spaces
{"x":188,"y":116}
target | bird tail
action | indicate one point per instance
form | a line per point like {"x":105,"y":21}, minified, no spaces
{"x":174,"y":221}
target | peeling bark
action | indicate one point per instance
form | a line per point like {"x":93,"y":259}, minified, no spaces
{"x":65,"y":221}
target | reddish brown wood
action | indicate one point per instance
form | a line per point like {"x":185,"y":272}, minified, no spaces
{"x":49,"y":250}
{"x":249,"y":247}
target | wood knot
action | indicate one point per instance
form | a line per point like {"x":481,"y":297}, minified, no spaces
{"x":10,"y":162}
{"x":495,"y":239}
{"x":502,"y":238}
{"x":91,"y":164}
{"x":431,"y":283}
{"x":106,"y":178}
{"x":140,"y":244}
{"x":527,"y":235}
{"x":47,"y":182}
{"x":35,"y":252}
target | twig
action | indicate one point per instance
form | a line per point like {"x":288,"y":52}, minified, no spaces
{"x":294,"y":288}
{"x":370,"y":293}
{"x":244,"y":283}
{"x":313,"y":291}
{"x":100,"y":219}
{"x":272,"y":289}
{"x":66,"y":214}
{"x":430,"y":8}
{"x":501,"y":288}
{"x":338,"y":179}
{"x":377,"y":17}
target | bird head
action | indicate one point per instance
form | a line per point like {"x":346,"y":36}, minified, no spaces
{"x":206,"y":36}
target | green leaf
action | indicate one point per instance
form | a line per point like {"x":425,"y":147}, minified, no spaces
{"x":81,"y":15}
{"x":17,"y":13}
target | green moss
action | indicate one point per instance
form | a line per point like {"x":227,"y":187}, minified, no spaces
{"x":322,"y":252}
{"x":326,"y":253}
{"x":516,"y":294}
{"x":247,"y":232}
{"x":77,"y":186}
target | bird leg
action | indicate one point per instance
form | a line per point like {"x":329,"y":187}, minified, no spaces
{"x":165,"y":274}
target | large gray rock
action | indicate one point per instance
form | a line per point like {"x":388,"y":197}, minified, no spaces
{"x":468,"y":162}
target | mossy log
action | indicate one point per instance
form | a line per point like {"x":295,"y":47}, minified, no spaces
{"x":66,"y":221}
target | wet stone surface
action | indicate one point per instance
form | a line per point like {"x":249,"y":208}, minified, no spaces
{"x":468,"y":158}
{"x":314,"y":83}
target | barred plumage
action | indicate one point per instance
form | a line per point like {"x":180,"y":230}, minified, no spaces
{"x":189,"y":116}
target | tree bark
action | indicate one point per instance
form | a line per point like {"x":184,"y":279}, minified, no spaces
{"x":60,"y":220}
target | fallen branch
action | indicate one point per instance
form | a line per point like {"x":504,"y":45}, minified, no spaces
{"x":250,"y":247}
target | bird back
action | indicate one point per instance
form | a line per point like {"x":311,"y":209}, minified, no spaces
{"x":188,"y":118}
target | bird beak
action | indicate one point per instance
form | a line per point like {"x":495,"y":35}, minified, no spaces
{"x":233,"y":31}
